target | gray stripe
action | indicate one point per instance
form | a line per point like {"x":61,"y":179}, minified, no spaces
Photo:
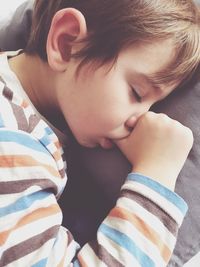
{"x":12,"y":187}
{"x":33,"y":121}
{"x":152,"y":207}
{"x":70,"y":237}
{"x":17,"y":110}
{"x":104,"y":255}
{"x":20,"y":117}
{"x":8,"y":93}
{"x":30,"y":245}
{"x":23,"y":123}
{"x":62,"y":173}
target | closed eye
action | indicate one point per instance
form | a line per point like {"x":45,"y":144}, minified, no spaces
{"x":136,"y":95}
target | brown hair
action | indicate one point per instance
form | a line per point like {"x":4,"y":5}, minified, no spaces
{"x":115,"y":24}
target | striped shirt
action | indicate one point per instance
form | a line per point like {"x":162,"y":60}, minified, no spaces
{"x":139,"y":231}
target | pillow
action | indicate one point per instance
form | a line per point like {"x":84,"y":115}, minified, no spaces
{"x":7,"y":10}
{"x":96,"y":175}
{"x":14,"y":32}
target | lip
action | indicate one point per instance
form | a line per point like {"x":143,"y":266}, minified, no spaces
{"x":120,"y":138}
{"x":106,"y":143}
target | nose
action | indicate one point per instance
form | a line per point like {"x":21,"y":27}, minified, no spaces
{"x":142,"y":109}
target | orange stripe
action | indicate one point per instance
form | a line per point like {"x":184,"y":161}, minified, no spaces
{"x":24,"y":104}
{"x":10,"y":161}
{"x":56,"y":155}
{"x":81,"y":260}
{"x":57,"y":144}
{"x":62,"y":262}
{"x":144,"y":229}
{"x":29,"y":218}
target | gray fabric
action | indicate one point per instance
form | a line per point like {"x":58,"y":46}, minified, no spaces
{"x":14,"y":33}
{"x":97,"y":175}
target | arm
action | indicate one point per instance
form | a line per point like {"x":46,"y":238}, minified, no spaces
{"x":140,"y":231}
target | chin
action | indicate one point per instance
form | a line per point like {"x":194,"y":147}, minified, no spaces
{"x":88,"y":144}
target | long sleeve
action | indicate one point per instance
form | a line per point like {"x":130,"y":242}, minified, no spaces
{"x":140,"y":231}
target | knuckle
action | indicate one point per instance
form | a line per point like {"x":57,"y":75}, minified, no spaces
{"x":189,"y":134}
{"x":186,"y":135}
{"x":164,"y":120}
{"x":148,"y":115}
{"x":163,"y":116}
{"x":151,"y":116}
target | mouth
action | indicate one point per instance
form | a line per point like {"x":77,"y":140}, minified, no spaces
{"x":106,"y":143}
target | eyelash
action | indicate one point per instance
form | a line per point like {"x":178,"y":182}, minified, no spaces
{"x":136,"y":95}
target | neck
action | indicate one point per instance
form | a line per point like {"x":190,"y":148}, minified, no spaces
{"x":38,"y":81}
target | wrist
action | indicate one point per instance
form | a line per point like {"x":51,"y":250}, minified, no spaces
{"x":166,"y":179}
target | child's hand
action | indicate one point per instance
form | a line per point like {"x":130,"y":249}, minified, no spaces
{"x":158,"y":147}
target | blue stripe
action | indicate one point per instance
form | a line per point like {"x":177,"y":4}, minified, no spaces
{"x":49,"y":131}
{"x":23,"y":203}
{"x":127,"y":243}
{"x":1,"y":121}
{"x":45,"y":140}
{"x":22,"y":139}
{"x":163,"y":191}
{"x":76,"y":264}
{"x":41,"y":263}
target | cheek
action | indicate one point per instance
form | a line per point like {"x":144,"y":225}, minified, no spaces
{"x":98,"y":120}
{"x":98,"y":107}
{"x":108,"y":114}
{"x":108,"y":118}
{"x":101,"y":111}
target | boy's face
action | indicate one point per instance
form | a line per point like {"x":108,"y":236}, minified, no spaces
{"x":103,"y":105}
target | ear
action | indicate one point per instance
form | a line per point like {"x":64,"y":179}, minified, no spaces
{"x":68,"y":25}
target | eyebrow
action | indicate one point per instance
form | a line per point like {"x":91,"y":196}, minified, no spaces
{"x":149,"y":79}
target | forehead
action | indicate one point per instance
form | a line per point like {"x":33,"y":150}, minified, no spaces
{"x":148,"y":58}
